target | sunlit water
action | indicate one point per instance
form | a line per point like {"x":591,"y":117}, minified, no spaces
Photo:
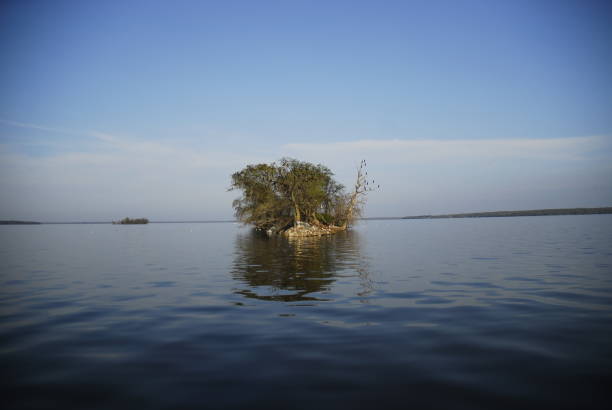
{"x":467,"y":313}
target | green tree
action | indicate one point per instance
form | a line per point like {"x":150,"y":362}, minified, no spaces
{"x":284,"y":194}
{"x":305,"y":186}
{"x":260,"y":204}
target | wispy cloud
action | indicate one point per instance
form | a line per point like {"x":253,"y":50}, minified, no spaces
{"x":51,"y":129}
{"x":108,"y":175}
{"x":434,"y":150}
{"x":116,"y":148}
{"x":438,"y":176}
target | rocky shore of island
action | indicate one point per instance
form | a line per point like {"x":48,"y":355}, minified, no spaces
{"x":303,"y":229}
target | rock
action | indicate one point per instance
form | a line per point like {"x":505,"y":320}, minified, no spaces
{"x":304,"y":230}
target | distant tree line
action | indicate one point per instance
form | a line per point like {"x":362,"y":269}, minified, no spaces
{"x":531,"y":212}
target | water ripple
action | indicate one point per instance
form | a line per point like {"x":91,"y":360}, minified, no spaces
{"x":394,"y":314}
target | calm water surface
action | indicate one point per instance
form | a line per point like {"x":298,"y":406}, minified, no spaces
{"x":466,"y":313}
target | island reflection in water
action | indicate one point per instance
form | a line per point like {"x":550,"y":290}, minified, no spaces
{"x":297,"y":269}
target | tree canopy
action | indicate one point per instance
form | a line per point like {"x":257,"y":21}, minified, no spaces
{"x":284,"y":194}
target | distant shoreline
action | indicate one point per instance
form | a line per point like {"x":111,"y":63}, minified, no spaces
{"x":533,"y":212}
{"x":109,"y":223}
{"x":494,"y":214}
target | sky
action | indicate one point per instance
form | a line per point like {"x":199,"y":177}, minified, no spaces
{"x":145,"y":108}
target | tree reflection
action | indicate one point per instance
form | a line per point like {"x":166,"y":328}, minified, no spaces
{"x":290,"y":270}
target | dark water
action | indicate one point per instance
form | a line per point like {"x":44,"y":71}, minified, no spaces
{"x":471,"y":313}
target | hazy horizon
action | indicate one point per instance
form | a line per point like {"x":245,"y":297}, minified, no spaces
{"x":145,"y":109}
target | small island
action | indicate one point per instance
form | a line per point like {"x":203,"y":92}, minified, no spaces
{"x":129,"y":221}
{"x":297,"y":199}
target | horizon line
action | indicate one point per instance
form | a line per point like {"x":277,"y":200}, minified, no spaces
{"x":605,"y":209}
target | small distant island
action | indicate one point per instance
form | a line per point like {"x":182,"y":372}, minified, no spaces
{"x":19,"y":223}
{"x":297,"y":198}
{"x":533,"y":212}
{"x":129,"y":221}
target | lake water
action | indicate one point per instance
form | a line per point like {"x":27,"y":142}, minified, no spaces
{"x":456,"y":313}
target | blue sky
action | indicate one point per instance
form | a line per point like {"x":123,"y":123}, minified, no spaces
{"x":118,"y":108}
